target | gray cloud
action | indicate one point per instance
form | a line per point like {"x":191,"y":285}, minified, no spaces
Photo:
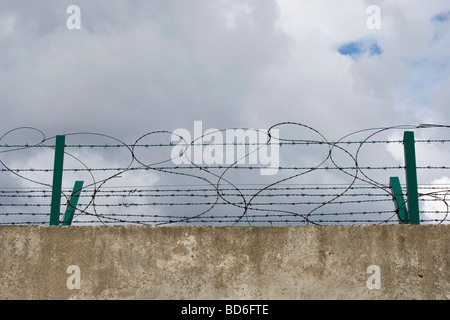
{"x":136,"y":64}
{"x":139,"y":66}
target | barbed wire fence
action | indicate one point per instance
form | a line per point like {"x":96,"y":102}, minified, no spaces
{"x":319,"y":182}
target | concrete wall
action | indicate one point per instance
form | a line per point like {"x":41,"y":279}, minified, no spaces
{"x":305,"y":262}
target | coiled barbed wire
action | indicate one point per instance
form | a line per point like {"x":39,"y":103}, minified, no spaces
{"x":220,"y":190}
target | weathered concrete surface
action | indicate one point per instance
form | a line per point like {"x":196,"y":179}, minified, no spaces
{"x":306,"y":262}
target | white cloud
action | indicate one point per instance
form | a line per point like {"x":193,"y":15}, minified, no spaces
{"x":436,"y":204}
{"x":7,"y":25}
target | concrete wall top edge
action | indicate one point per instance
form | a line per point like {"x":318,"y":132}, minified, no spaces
{"x":351,"y":226}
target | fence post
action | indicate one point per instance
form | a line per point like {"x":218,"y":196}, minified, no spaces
{"x":399,"y":200}
{"x":57,"y":180}
{"x":411,"y":177}
{"x":72,"y":203}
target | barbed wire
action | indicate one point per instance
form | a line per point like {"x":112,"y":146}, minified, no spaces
{"x":104,"y":146}
{"x":274,"y":200}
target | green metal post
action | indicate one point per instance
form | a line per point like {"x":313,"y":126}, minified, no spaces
{"x":72,"y":203}
{"x":411,"y":177}
{"x":399,"y":200}
{"x":57,"y":180}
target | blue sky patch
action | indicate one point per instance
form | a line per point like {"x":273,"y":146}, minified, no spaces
{"x":441,"y":17}
{"x":375,"y":50}
{"x":350,"y":49}
{"x":357,"y":48}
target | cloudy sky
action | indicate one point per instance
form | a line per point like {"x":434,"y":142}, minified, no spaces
{"x":137,"y":66}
